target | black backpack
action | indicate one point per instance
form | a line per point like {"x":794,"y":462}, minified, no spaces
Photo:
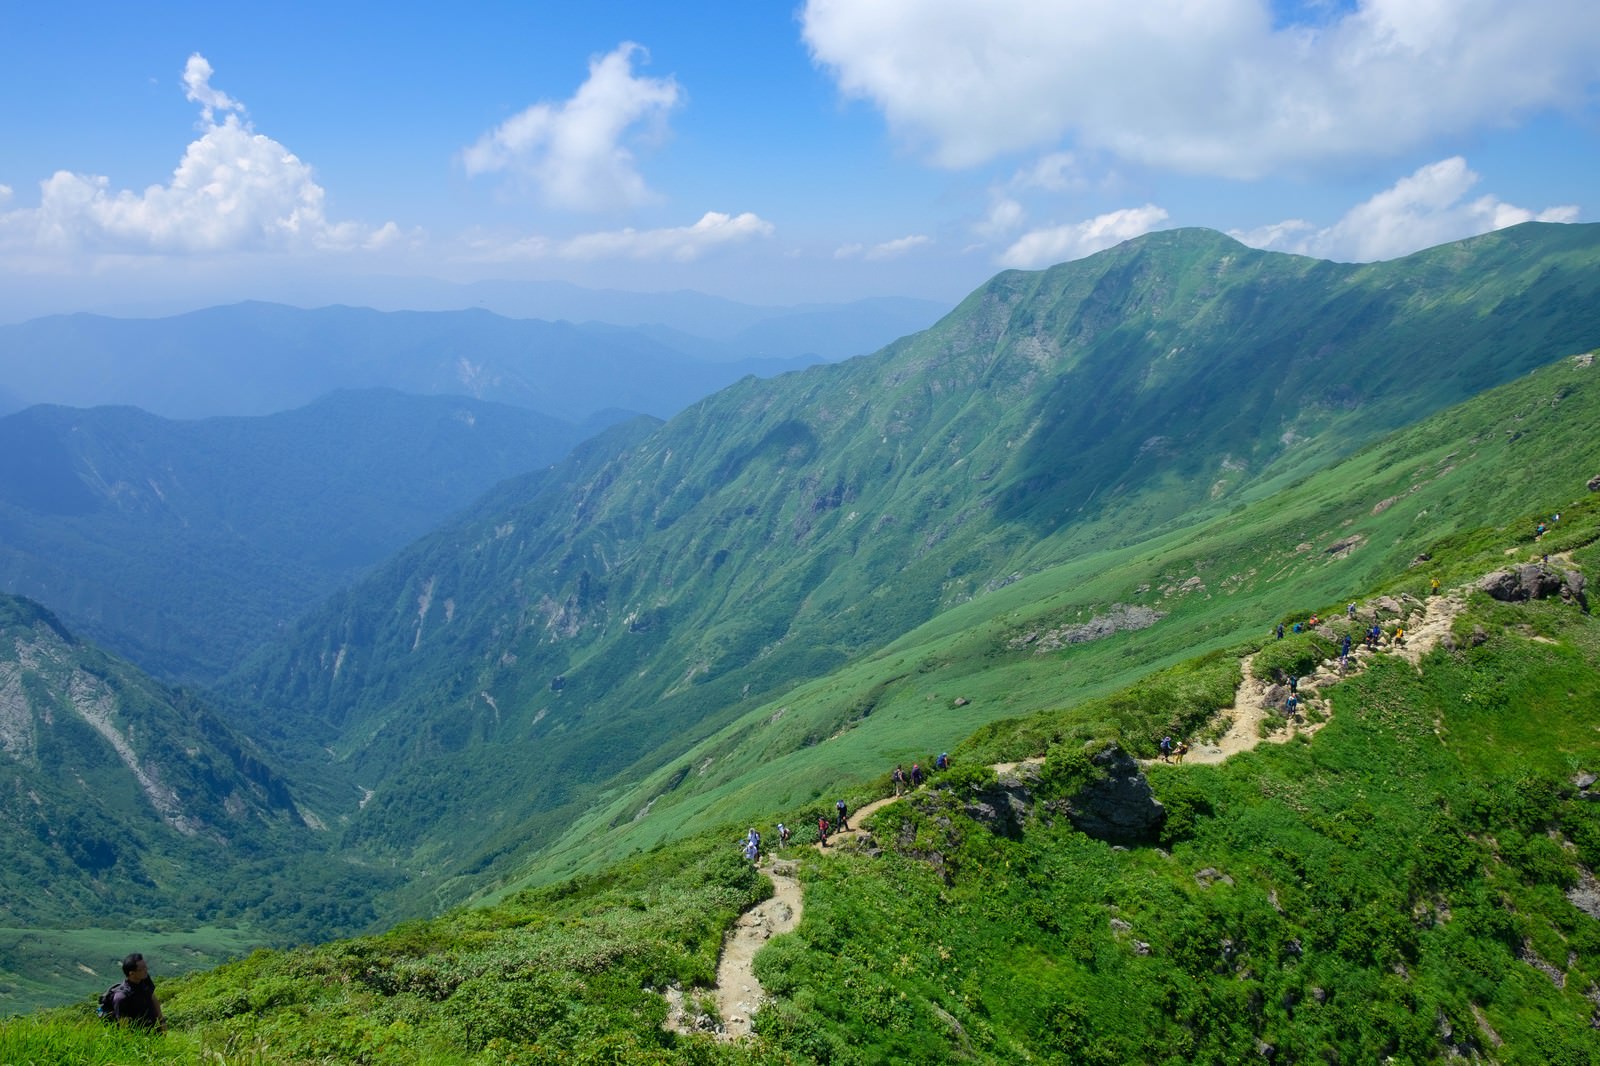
{"x":108,"y":1009}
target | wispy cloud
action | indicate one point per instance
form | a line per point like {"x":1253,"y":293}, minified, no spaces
{"x":676,"y":243}
{"x":1058,"y":244}
{"x":234,"y":189}
{"x":1225,"y":87}
{"x":1423,"y":209}
{"x":573,"y":152}
{"x":887,"y":250}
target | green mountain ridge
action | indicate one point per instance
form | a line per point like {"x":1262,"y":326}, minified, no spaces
{"x":609,"y":618}
{"x":1363,"y":523}
{"x":1396,"y":887}
{"x":1406,"y":885}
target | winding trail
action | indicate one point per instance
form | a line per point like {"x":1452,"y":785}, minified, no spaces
{"x":738,"y":995}
{"x":738,"y":992}
{"x":1256,"y":701}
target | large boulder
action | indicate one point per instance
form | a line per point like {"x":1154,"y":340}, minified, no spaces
{"x":1118,"y":805}
{"x":1530,"y":581}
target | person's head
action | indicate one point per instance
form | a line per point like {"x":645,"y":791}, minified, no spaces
{"x":134,"y":968}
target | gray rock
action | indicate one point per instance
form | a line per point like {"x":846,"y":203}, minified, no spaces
{"x":1532,"y":581}
{"x":1118,"y":806}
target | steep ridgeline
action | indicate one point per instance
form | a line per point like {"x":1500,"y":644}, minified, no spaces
{"x":127,"y":802}
{"x":182,"y":545}
{"x":599,"y":620}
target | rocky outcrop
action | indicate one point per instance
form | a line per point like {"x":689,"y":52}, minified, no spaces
{"x":1118,"y":806}
{"x":1001,"y":807}
{"x":1119,"y":619}
{"x":1535,"y":581}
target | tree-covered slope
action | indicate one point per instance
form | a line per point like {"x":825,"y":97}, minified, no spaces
{"x":130,"y":805}
{"x":634,"y":602}
{"x":184,"y":544}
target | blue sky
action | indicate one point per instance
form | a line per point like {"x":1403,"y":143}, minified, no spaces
{"x":183,"y":154}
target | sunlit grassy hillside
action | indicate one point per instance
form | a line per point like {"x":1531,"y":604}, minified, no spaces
{"x":1515,"y":454}
{"x":1403,"y":886}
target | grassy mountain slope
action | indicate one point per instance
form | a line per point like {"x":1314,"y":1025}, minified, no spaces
{"x":1424,"y":491}
{"x":1403,"y":886}
{"x":611,"y":617}
{"x":183,"y":544}
{"x":132,"y":806}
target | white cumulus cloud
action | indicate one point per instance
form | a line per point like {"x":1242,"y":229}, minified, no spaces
{"x":1058,"y":244}
{"x":197,"y":83}
{"x":1427,"y":208}
{"x":574,"y":151}
{"x":1221,"y":87}
{"x":234,"y":190}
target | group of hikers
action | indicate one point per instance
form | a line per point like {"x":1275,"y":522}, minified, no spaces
{"x":841,"y":810}
{"x":1171,"y":752}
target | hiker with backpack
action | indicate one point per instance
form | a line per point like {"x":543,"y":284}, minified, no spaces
{"x":899,"y":777}
{"x":943,"y":762}
{"x":133,"y":999}
{"x":916,"y":775}
{"x":822,"y":831}
{"x":1166,"y":749}
{"x":841,"y":824}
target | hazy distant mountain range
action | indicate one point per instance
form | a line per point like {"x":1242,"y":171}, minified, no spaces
{"x":253,"y":358}
{"x":183,"y":544}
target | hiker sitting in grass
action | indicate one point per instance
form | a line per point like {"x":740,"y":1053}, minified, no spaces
{"x":134,"y":1000}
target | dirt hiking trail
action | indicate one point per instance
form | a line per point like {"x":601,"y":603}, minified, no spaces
{"x":738,"y":995}
{"x":738,"y":992}
{"x":1257,"y":701}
